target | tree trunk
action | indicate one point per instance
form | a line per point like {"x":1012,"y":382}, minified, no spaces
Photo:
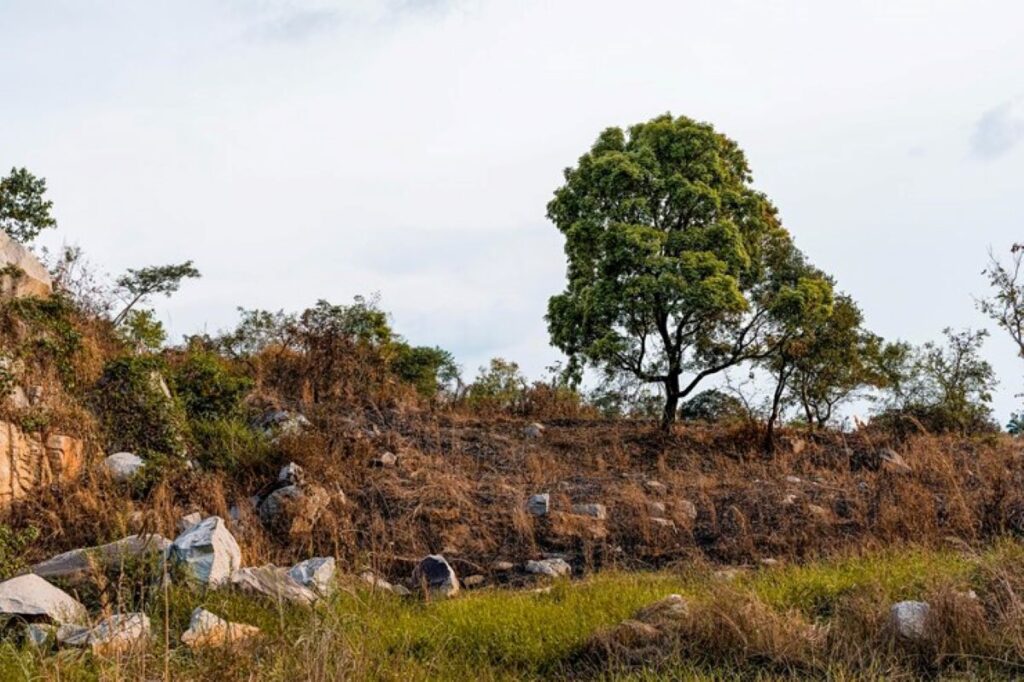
{"x":668,"y":417}
{"x":780,"y":386}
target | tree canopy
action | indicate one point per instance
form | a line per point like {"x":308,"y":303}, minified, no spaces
{"x":24,"y":208}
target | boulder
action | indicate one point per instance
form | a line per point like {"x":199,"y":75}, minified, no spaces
{"x":80,"y":563}
{"x":593,"y":510}
{"x":292,"y":474}
{"x":32,"y":598}
{"x":387,"y":460}
{"x":534,"y":430}
{"x":909,"y":620}
{"x":283,"y":423}
{"x":113,"y":635}
{"x":207,"y":629}
{"x":436,"y":574}
{"x":687,"y":510}
{"x":539,"y":504}
{"x":554,"y":568}
{"x":189,"y":520}
{"x":122,"y":466}
{"x":317,"y":574}
{"x":40,"y":635}
{"x":21,"y":273}
{"x":274,"y":582}
{"x":294,"y":509}
{"x":28,"y":462}
{"x":473,"y":581}
{"x":893,"y":462}
{"x":207,"y":552}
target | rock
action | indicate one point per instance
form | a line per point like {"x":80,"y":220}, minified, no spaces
{"x":113,"y":635}
{"x":554,"y":568}
{"x":40,"y":635}
{"x":533,"y":430}
{"x":387,"y":460}
{"x":274,"y":582}
{"x":656,"y":509}
{"x":893,"y":462}
{"x":769,"y":562}
{"x":29,"y":596}
{"x":16,"y":398}
{"x":437,"y":575}
{"x":656,"y":487}
{"x":294,"y":509}
{"x":663,"y":524}
{"x":283,"y":423}
{"x":317,"y":574}
{"x":909,"y":620}
{"x":207,"y":629}
{"x":789,"y":500}
{"x":502,"y":566}
{"x":207,"y":551}
{"x":688,"y":510}
{"x":189,"y":520}
{"x":401,"y":590}
{"x":473,"y":581}
{"x":798,"y":445}
{"x":22,"y":273}
{"x":292,"y":474}
{"x":122,"y":466}
{"x":27,"y":462}
{"x":593,"y":510}
{"x":671,"y":608}
{"x":539,"y":505}
{"x":375,"y":581}
{"x":794,"y":480}
{"x":77,"y":564}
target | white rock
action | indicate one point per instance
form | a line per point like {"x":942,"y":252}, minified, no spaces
{"x":273,"y":582}
{"x":207,"y":551}
{"x":554,"y":568}
{"x":317,"y":574}
{"x":123,"y":465}
{"x":437,"y":575}
{"x":539,"y":505}
{"x":30,"y":595}
{"x":534,"y":430}
{"x":909,"y":620}
{"x":386,"y":460}
{"x":593,"y":510}
{"x":33,"y":278}
{"x":292,"y":474}
{"x":207,"y":629}
{"x":114,"y":634}
{"x":189,"y":520}
{"x":80,"y":563}
{"x":687,"y":510}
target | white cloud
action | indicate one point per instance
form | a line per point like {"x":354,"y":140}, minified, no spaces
{"x":999,"y":130}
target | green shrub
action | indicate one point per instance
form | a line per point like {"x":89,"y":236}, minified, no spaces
{"x":713,"y":406}
{"x":12,"y":549}
{"x":228,"y":443}
{"x":207,"y":387}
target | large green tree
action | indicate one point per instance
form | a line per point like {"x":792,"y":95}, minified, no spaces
{"x":675,"y":263}
{"x":24,"y":208}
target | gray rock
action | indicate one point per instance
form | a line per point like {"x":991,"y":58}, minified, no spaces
{"x":656,"y":487}
{"x":893,"y":462}
{"x":554,"y":568}
{"x":473,"y":581}
{"x":207,"y":552}
{"x":294,"y":508}
{"x":189,"y":520}
{"x":207,"y":629}
{"x":80,"y":563}
{"x":284,"y":423}
{"x":40,"y":635}
{"x":114,"y":634}
{"x":502,"y":566}
{"x":909,"y":620}
{"x":539,"y":505}
{"x":317,"y":574}
{"x":688,"y":510}
{"x":437,"y":575}
{"x":292,"y":474}
{"x":534,"y":430}
{"x":30,"y":596}
{"x":375,"y":581}
{"x":593,"y":510}
{"x":123,"y":465}
{"x":273,"y":582}
{"x":387,"y":460}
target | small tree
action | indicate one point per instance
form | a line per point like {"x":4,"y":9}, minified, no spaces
{"x":1006,"y":304}
{"x":499,"y":386}
{"x":671,"y":255}
{"x":24,"y":208}
{"x":138,"y":285}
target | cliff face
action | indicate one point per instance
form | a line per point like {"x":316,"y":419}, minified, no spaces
{"x":27,"y":461}
{"x":29,"y":277}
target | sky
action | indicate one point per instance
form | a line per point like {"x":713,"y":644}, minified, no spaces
{"x":307,"y":149}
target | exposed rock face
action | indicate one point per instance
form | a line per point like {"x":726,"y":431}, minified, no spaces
{"x":79,"y":563}
{"x":274,"y":582}
{"x":123,"y":465}
{"x":437,"y":575}
{"x":909,"y":620}
{"x":553,"y":568}
{"x":317,"y":574}
{"x":539,"y":504}
{"x":26,"y":462}
{"x":294,"y":509}
{"x":207,"y":629}
{"x":29,"y":596}
{"x":593,"y":510}
{"x":207,"y":551}
{"x":32,"y":278}
{"x":112,"y":635}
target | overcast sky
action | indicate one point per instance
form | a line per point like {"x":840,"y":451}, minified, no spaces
{"x":299,"y":149}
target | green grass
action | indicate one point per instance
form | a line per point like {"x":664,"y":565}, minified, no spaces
{"x":493,"y":634}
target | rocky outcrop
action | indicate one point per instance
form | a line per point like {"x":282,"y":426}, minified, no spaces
{"x":274,"y":582}
{"x":113,"y":635}
{"x":27,"y":462}
{"x":32,"y":598}
{"x":80,"y":563}
{"x":21,"y":273}
{"x":207,"y":552}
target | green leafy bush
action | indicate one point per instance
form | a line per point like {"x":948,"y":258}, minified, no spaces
{"x":228,"y":443}
{"x":207,"y":386}
{"x":12,"y":549}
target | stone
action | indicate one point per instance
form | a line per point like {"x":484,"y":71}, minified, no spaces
{"x":30,"y":597}
{"x":539,"y":505}
{"x":292,"y":474}
{"x":31,"y":277}
{"x":656,"y":487}
{"x":687,"y":510}
{"x":671,"y":608}
{"x":893,"y":462}
{"x":436,"y":574}
{"x":387,"y":460}
{"x":17,"y":399}
{"x":554,"y":568}
{"x":909,"y":620}
{"x":113,"y":635}
{"x":122,"y":466}
{"x":294,"y":509}
{"x":502,"y":566}
{"x":533,"y":430}
{"x":795,"y":480}
{"x":189,"y":520}
{"x":274,"y":582}
{"x":207,"y":552}
{"x":789,"y":500}
{"x":78,"y":564}
{"x":27,"y":462}
{"x":317,"y":574}
{"x":284,"y":423}
{"x":593,"y":510}
{"x":207,"y":629}
{"x":40,"y":635}
{"x":663,"y":524}
{"x":375,"y":581}
{"x":473,"y":581}
{"x":656,"y":509}
{"x":769,"y":562}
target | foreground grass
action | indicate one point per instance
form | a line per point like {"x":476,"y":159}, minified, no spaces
{"x":495,"y":634}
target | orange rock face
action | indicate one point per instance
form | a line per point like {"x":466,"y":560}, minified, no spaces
{"x":26,"y":462}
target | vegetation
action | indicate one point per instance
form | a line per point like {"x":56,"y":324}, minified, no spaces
{"x":24,"y":209}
